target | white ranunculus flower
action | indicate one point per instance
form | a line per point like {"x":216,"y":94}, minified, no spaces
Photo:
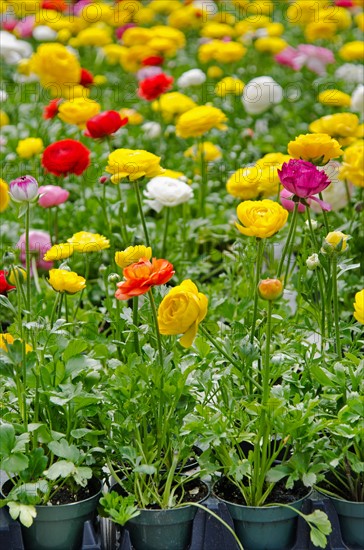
{"x":3,"y":96}
{"x":260,"y":94}
{"x":162,"y":191}
{"x":151,"y":129}
{"x":350,"y":72}
{"x":193,"y":77}
{"x":336,"y":194}
{"x":43,"y":33}
{"x":357,"y":100}
{"x":13,"y":50}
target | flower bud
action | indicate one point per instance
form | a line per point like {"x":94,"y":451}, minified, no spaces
{"x":20,"y":275}
{"x":312,"y":262}
{"x":314,"y":224}
{"x":335,"y":243}
{"x":113,"y":277}
{"x":104,"y":179}
{"x":8,"y":258}
{"x":23,"y":189}
{"x":270,"y":289}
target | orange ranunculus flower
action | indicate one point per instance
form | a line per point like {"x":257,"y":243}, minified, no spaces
{"x":270,"y":289}
{"x":142,"y":275}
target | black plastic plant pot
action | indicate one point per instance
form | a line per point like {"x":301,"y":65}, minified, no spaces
{"x":60,"y":527}
{"x":351,"y":518}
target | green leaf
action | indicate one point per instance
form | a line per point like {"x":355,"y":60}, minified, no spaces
{"x":7,"y":439}
{"x":64,"y":450}
{"x":75,"y":347}
{"x":24,"y":512}
{"x":62,"y":468}
{"x":145,"y":469}
{"x":15,"y":463}
{"x":5,"y":302}
{"x":309,"y":479}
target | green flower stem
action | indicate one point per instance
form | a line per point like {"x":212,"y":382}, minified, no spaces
{"x":155,"y":319}
{"x":290,"y":251}
{"x":135,"y":323}
{"x":104,"y":210}
{"x":289,"y":239}
{"x":167,"y":216}
{"x":324,"y":213}
{"x":259,"y":263}
{"x":313,"y":234}
{"x":260,"y":451}
{"x":55,"y":225}
{"x":66,"y":307}
{"x":35,"y":274}
{"x":27,"y":259}
{"x":55,"y":307}
{"x":124,"y":232}
{"x":203,"y":186}
{"x":323,"y":308}
{"x":227,"y":356}
{"x":140,"y":208}
{"x":336,"y":305}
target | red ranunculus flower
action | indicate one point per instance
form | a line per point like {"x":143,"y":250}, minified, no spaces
{"x":104,"y":124}
{"x":142,"y":275}
{"x":67,"y":156}
{"x":56,"y":5}
{"x":151,"y":88}
{"x":87,"y":78}
{"x":4,"y":285}
{"x":51,"y":110}
{"x":153,"y":61}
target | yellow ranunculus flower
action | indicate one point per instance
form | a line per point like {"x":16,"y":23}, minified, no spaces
{"x":72,"y":92}
{"x":261,"y":218}
{"x":17,"y":275}
{"x":344,"y":127}
{"x":112,"y":53}
{"x":270,"y":44}
{"x":353,"y":164}
{"x":181,"y":311}
{"x":132,"y":254}
{"x":131,"y":58}
{"x":359,"y":306}
{"x":188,"y":17}
{"x":83,"y":241}
{"x":175,"y":175}
{"x":136,"y":36}
{"x":59,"y":251}
{"x":173,"y":105}
{"x":94,"y":35}
{"x":4,"y":195}
{"x":56,"y":67}
{"x":222,"y":52}
{"x":133,"y":164}
{"x":209,"y":151}
{"x":7,"y":340}
{"x":315,"y":148}
{"x":62,"y":280}
{"x":78,"y":111}
{"x":270,"y":289}
{"x":29,"y":147}
{"x":175,"y":36}
{"x":212,"y":29}
{"x":319,"y":30}
{"x":200,"y":120}
{"x":359,"y":20}
{"x":4,"y":119}
{"x":229,"y":85}
{"x":134,"y":118}
{"x":335,"y":98}
{"x":335,"y":242}
{"x":352,"y":51}
{"x":215,"y":72}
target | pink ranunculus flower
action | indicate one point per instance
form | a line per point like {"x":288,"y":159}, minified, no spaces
{"x":287,"y":202}
{"x":39,"y":243}
{"x":52,"y":195}
{"x":120,"y":30}
{"x":24,"y":27}
{"x":315,"y":58}
{"x":304,"y":180}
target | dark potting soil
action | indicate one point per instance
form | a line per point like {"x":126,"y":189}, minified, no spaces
{"x":65,"y":495}
{"x":226,"y":490}
{"x":333,"y":486}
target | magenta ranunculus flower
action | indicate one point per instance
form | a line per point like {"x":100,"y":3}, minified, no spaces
{"x":23,"y":189}
{"x":52,"y":195}
{"x":304,"y":180}
{"x":315,"y":58}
